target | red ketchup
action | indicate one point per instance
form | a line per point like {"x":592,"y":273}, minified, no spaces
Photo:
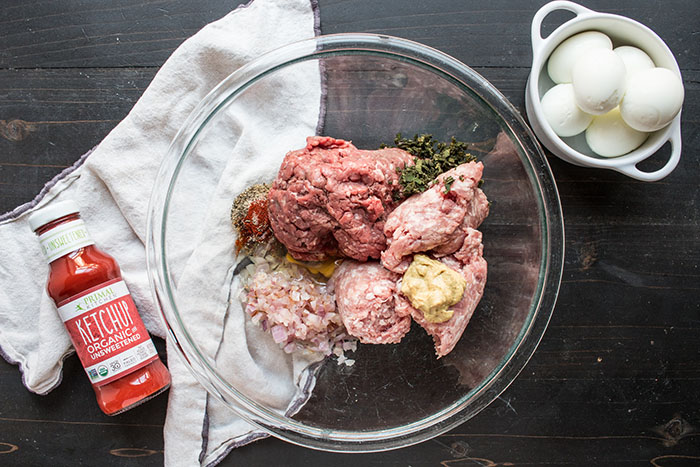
{"x":98,"y":312}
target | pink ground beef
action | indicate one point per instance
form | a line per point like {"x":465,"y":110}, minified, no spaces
{"x":332,"y":199}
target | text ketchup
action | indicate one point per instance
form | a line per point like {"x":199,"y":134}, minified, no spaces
{"x":98,"y":312}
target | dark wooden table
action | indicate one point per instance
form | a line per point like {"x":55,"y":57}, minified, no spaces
{"x":616,"y":379}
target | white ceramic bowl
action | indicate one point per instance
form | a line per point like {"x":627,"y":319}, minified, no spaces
{"x":622,"y":31}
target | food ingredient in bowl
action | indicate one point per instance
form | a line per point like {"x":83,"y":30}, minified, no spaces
{"x":561,"y":61}
{"x":470,"y":263}
{"x":436,"y":220}
{"x":432,"y":287}
{"x":562,"y":113}
{"x":621,"y":86}
{"x":325,"y":268}
{"x":599,"y":80}
{"x":653,"y":99}
{"x":432,"y":159}
{"x":609,"y":136}
{"x":365,"y":294}
{"x":634,"y":59}
{"x":331,"y":199}
{"x":298,"y":311}
{"x":328,"y":186}
{"x":249,"y":218}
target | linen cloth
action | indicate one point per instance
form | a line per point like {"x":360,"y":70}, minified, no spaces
{"x":112,"y":186}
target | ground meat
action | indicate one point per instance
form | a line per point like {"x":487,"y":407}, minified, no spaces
{"x":436,"y":220}
{"x":365,"y":295}
{"x":469,"y":262}
{"x":331,"y":198}
{"x":476,"y":212}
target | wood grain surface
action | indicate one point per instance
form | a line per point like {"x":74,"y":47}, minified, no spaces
{"x":616,"y":379}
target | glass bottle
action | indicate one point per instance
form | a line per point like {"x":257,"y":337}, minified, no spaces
{"x":94,"y":303}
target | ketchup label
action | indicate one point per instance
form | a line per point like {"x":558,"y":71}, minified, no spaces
{"x":107,"y":332}
{"x":65,"y":238}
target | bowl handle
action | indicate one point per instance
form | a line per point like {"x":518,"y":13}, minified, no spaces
{"x":536,"y":31}
{"x":631,"y":170}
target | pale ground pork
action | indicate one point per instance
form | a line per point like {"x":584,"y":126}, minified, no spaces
{"x":365,"y":294}
{"x":443,"y":222}
{"x":435,"y":220}
{"x":473,"y":268}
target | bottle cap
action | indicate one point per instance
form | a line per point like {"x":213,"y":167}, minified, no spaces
{"x":52,"y":212}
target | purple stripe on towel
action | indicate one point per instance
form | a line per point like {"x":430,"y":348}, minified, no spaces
{"x":322,"y":70}
{"x":11,"y":361}
{"x":19,"y":210}
{"x":294,"y":407}
{"x":14,"y":214}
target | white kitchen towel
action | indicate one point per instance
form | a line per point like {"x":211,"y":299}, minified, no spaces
{"x":112,"y":185}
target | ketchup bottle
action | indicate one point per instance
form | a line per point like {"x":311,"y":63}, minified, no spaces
{"x":98,"y":312}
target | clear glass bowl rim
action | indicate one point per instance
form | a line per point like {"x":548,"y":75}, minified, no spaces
{"x":550,"y":218}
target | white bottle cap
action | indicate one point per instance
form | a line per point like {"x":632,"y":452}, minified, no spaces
{"x":52,"y":212}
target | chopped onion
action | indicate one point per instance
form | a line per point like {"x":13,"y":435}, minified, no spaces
{"x":297,"y":310}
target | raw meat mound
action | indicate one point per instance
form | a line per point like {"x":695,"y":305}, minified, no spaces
{"x":436,"y":220}
{"x":469,"y":262}
{"x":365,"y":294}
{"x":331,"y":198}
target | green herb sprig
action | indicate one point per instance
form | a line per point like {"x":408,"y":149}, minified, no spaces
{"x":432,"y":159}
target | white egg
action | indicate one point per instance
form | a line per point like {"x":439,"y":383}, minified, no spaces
{"x":634,"y":59}
{"x":562,"y":113}
{"x":609,"y":136}
{"x":653,"y":99}
{"x":599,"y":79}
{"x":561,"y":61}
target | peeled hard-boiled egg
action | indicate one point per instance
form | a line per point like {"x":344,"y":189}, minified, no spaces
{"x":599,"y":79}
{"x":609,"y":136}
{"x":562,"y":60}
{"x":634,"y":59}
{"x":562,"y":113}
{"x":654,"y":97}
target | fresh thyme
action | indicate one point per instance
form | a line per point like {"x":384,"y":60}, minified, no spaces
{"x":448,"y":183}
{"x":432,"y":159}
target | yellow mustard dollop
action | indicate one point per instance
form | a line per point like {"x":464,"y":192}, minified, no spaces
{"x":325,"y":268}
{"x":432,"y":288}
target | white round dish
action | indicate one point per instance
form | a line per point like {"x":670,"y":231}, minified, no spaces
{"x":622,"y":31}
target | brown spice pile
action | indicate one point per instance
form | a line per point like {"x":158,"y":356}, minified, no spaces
{"x":249,"y":217}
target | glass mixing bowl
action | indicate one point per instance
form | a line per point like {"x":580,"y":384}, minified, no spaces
{"x":374,"y":87}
